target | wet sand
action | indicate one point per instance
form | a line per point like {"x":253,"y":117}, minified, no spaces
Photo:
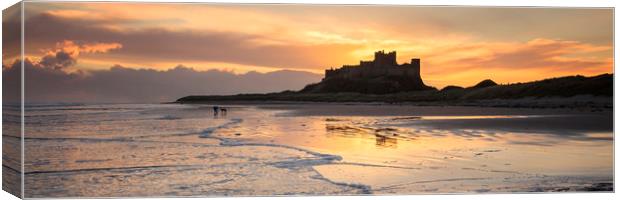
{"x":382,"y":109}
{"x":319,"y":149}
{"x":566,"y":121}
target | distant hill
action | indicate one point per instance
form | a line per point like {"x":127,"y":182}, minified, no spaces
{"x":485,"y":83}
{"x":562,"y":87}
{"x":601,"y":85}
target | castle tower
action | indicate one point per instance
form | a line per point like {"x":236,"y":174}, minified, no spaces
{"x":383,"y":59}
{"x":415,"y":64}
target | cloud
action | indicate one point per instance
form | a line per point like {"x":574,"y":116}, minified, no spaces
{"x":58,"y":60}
{"x":498,"y":43}
{"x":342,"y":37}
{"x":90,"y":15}
{"x":65,"y":54}
{"x":46,"y":80}
{"x":153,"y":45}
{"x":11,"y":33}
{"x":99,"y":47}
{"x":75,"y":48}
{"x":509,"y":62}
{"x":534,"y":54}
{"x":121,"y":84}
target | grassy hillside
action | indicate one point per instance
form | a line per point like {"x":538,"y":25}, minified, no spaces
{"x":598,"y":86}
{"x":601,"y":85}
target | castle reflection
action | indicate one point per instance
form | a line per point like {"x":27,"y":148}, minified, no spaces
{"x":347,"y":131}
{"x":385,"y":141}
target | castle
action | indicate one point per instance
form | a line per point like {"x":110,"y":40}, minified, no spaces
{"x":381,"y":76}
{"x":383,"y":65}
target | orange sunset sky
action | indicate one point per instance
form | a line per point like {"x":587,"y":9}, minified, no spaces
{"x":457,"y":45}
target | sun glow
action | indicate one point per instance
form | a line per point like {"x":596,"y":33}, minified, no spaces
{"x":266,"y":38}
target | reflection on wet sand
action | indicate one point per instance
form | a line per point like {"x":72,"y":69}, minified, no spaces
{"x":383,"y":136}
{"x":168,"y":150}
{"x":385,"y":141}
{"x":344,"y":130}
{"x":504,"y":158}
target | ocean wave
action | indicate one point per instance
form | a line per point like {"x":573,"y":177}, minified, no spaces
{"x":207,"y":132}
{"x":321,"y":157}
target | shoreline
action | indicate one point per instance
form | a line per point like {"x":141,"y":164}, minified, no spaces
{"x":577,"y":103}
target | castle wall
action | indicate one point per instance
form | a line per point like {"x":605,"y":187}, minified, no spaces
{"x":396,"y":72}
{"x":382,"y":65}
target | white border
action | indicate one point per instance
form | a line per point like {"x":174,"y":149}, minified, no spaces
{"x":519,"y":3}
{"x":23,"y":98}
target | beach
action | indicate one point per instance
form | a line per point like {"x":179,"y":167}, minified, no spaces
{"x":159,"y":150}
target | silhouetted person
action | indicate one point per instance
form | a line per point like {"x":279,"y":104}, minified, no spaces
{"x":216,"y":110}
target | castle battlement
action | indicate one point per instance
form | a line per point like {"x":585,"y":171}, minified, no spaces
{"x":384,"y":64}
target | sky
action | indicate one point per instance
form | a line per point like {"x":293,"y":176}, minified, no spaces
{"x":82,"y":42}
